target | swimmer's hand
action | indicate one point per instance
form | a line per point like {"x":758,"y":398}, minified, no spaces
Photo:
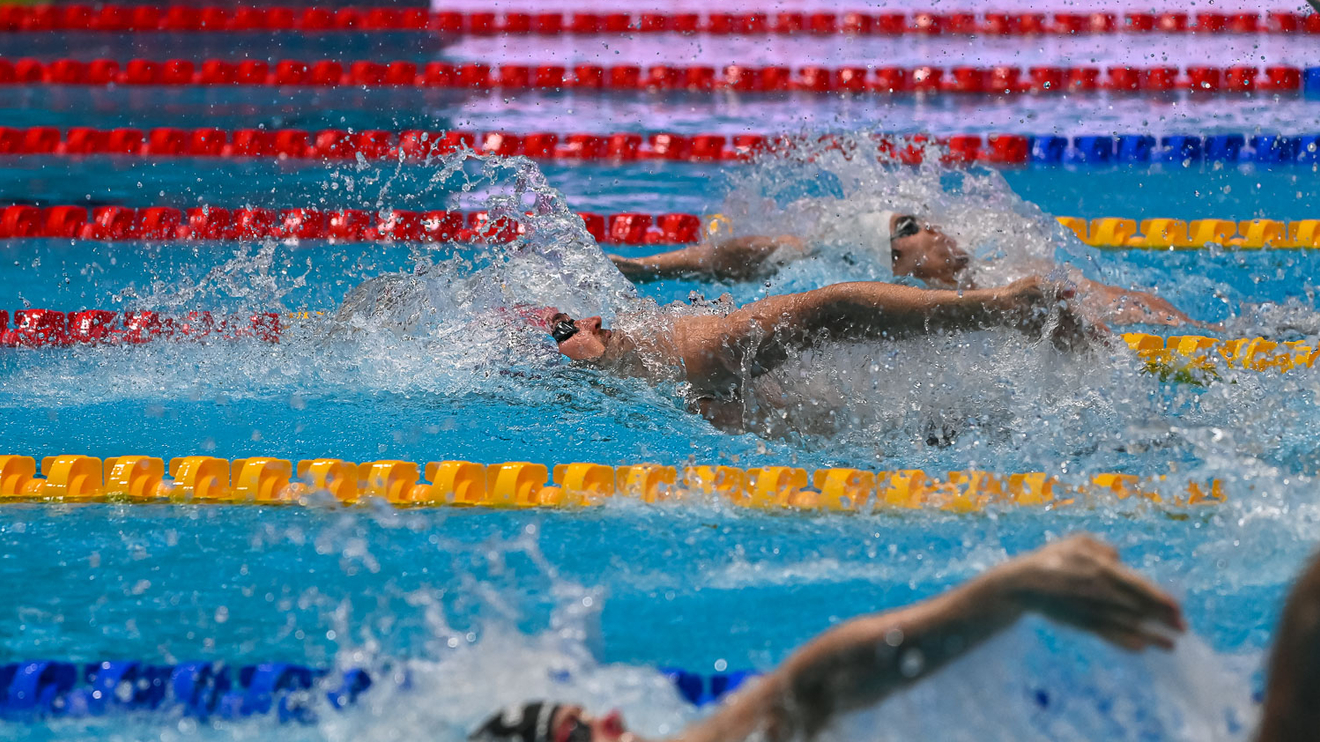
{"x":630,"y":268}
{"x":1080,"y":581}
{"x":1035,"y":304}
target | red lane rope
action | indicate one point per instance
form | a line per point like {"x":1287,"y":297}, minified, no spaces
{"x":119,"y":223}
{"x":339,"y":144}
{"x":418,"y":145}
{"x":184,"y":18}
{"x":478,"y":76}
{"x":33,"y":328}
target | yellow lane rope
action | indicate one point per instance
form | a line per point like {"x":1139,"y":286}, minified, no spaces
{"x":1175,"y":234}
{"x":271,"y":481}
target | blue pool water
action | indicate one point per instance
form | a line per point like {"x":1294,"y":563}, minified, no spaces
{"x":476,"y":607}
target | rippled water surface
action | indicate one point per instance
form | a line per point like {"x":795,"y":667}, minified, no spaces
{"x":476,"y":608}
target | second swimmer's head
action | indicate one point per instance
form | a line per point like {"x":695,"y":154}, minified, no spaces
{"x":921,"y":250}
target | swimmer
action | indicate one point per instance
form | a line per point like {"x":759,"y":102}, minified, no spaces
{"x":1290,"y":712}
{"x":718,"y":354}
{"x":1078,"y":582}
{"x":916,"y":249}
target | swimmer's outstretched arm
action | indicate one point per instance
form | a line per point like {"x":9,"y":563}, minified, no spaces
{"x":694,"y":261}
{"x":1079,"y":582}
{"x":736,"y":259}
{"x":767,"y":328}
{"x":1120,"y":306}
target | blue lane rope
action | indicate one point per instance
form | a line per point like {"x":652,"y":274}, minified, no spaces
{"x":38,"y":689}
{"x":1272,"y":149}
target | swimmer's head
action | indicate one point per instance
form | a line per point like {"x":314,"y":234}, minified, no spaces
{"x":922,"y":251}
{"x":580,"y":340}
{"x":544,"y":722}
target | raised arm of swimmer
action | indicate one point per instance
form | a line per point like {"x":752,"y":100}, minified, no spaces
{"x":1079,"y":582}
{"x":759,"y":335}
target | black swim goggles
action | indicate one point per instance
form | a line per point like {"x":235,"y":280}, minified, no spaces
{"x":906,"y":226}
{"x":579,"y":732}
{"x":563,"y":330}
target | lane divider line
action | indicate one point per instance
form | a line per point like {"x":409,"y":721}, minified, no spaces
{"x":116,"y":18}
{"x":1176,"y":234}
{"x":1198,"y":353}
{"x":411,"y":145}
{"x":165,"y":223}
{"x":420,"y":145}
{"x":35,"y":689}
{"x":925,"y":80}
{"x":119,"y":223}
{"x":520,"y":485}
{"x":42,"y":328}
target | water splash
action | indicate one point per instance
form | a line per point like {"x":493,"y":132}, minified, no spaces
{"x":825,"y":187}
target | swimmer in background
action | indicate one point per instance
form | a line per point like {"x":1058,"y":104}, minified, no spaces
{"x":916,"y":249}
{"x":1078,"y":582}
{"x":718,"y":355}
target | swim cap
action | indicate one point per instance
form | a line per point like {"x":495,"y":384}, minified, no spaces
{"x":528,"y":723}
{"x":862,"y":227}
{"x":878,"y":222}
{"x":532,"y":315}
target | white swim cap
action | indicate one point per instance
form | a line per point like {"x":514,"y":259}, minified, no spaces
{"x":878,"y":222}
{"x":859,"y":226}
{"x":863,"y":227}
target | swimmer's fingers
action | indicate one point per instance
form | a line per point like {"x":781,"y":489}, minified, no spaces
{"x":1152,"y":601}
{"x":1119,"y":625}
{"x":1134,"y":637}
{"x":1120,"y":593}
{"x":629,"y":267}
{"x":1080,"y":580}
{"x":1064,"y":291}
{"x":1122,"y":589}
{"x":1131,"y":631}
{"x":1073,"y":332}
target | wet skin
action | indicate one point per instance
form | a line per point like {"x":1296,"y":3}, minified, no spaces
{"x":716,"y":353}
{"x":573,"y":724}
{"x":928,"y":254}
{"x":588,"y":343}
{"x":1077,"y":581}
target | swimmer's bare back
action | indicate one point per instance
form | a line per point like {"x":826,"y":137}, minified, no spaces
{"x":716,"y":352}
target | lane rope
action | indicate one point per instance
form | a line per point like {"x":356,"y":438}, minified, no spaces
{"x":119,"y":223}
{"x":287,"y":692}
{"x":416,"y":145}
{"x":166,"y":223}
{"x":48,"y":328}
{"x":326,"y":73}
{"x":1193,"y":354}
{"x":112,"y":17}
{"x":1176,"y":234}
{"x":521,"y":485}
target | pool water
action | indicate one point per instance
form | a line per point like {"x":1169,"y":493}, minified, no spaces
{"x":475,"y":608}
